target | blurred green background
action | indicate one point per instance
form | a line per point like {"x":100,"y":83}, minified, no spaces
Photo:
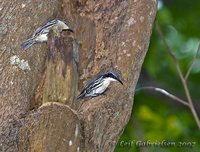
{"x":155,"y":117}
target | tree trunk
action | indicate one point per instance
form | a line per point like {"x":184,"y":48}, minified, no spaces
{"x":38,"y":87}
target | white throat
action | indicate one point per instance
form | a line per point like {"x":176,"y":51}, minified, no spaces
{"x":62,"y":25}
{"x":107,"y":81}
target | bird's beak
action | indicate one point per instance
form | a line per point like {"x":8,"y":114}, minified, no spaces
{"x":119,"y":81}
{"x":70,"y":30}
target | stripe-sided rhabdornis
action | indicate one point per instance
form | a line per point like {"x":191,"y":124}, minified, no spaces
{"x":41,"y":33}
{"x":99,"y":84}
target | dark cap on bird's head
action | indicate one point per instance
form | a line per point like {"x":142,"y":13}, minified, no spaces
{"x":115,"y":74}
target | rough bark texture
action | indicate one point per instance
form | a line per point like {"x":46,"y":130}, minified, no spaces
{"x":108,"y":34}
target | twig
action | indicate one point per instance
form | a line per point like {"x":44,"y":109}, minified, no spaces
{"x":164,"y":92}
{"x":191,"y":65}
{"x":183,"y":80}
{"x":187,"y":92}
{"x":165,"y":43}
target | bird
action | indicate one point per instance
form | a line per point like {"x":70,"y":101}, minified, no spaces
{"x":99,"y":84}
{"x":41,"y":34}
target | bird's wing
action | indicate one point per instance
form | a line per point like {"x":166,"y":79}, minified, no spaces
{"x":91,"y":85}
{"x":94,"y":84}
{"x":45,"y":27}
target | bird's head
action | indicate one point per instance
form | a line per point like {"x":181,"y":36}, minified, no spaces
{"x":113,"y":75}
{"x":64,"y":26}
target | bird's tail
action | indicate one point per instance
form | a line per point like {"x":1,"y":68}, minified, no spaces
{"x":28,"y":43}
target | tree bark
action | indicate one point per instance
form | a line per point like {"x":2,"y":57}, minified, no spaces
{"x":38,"y":87}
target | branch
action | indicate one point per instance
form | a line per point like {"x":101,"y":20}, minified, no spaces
{"x":165,"y":43}
{"x":191,"y":65}
{"x":166,"y":93}
{"x":183,"y":80}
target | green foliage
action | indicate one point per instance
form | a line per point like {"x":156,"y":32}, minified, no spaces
{"x":156,"y":118}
